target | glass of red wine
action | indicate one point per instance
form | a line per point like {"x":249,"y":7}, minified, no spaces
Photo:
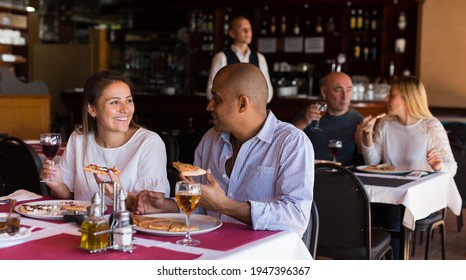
{"x":335,"y":147}
{"x":50,"y":144}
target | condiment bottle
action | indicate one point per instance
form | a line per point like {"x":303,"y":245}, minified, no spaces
{"x":122,"y":231}
{"x":94,"y":223}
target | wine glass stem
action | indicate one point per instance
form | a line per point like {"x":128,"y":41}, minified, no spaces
{"x":188,"y":226}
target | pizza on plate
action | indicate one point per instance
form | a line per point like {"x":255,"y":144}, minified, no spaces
{"x":163,"y":224}
{"x":95,"y":168}
{"x":51,"y":209}
{"x":380,"y":167}
{"x":187,"y":169}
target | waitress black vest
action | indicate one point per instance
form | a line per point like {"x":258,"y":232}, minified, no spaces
{"x":232,"y":58}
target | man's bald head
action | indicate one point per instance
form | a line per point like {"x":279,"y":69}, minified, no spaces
{"x":244,"y":79}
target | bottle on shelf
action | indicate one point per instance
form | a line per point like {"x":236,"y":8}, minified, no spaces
{"x":226,"y":23}
{"x":352,"y":21}
{"x":283,"y":25}
{"x":402,"y":22}
{"x":373,"y":50}
{"x":391,"y":69}
{"x":357,"y":47}
{"x":359,"y":20}
{"x":273,"y":27}
{"x":296,"y":28}
{"x":319,"y":28}
{"x":365,"y":49}
{"x":264,"y":27}
{"x":330,"y":26}
{"x":367,"y":21}
{"x":374,"y":20}
{"x":210,"y":23}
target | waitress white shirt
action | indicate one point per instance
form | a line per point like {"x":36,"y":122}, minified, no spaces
{"x":141,"y":161}
{"x":406,"y":146}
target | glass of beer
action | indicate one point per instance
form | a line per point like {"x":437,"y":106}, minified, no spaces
{"x":187,"y":197}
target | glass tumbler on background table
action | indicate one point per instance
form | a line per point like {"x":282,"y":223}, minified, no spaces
{"x":188,"y":196}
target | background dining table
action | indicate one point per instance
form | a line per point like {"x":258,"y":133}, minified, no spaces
{"x":59,"y":240}
{"x":420,"y":196}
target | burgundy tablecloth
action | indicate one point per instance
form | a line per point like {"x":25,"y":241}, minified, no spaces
{"x":227,"y":237}
{"x":66,"y":247}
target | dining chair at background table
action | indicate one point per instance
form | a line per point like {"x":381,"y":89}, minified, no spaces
{"x":20,"y":167}
{"x":434,"y":221}
{"x":458,"y":146}
{"x":311,"y":235}
{"x":345,"y":230}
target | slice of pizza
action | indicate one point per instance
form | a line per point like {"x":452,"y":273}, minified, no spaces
{"x":187,"y":169}
{"x":181,"y":227}
{"x":95,"y":168}
{"x":153,"y":222}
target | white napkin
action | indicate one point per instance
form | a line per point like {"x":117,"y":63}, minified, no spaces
{"x":21,"y":195}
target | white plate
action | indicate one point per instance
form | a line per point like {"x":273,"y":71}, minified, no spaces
{"x":23,"y":233}
{"x":394,"y":172}
{"x":52,"y":216}
{"x":204,"y":222}
{"x":32,"y":141}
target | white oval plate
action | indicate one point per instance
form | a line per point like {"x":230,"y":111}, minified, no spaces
{"x":52,"y":216}
{"x":23,"y":233}
{"x":205,"y":223}
{"x":393,"y":172}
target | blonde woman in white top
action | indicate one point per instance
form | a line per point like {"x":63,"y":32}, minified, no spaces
{"x":409,"y":137}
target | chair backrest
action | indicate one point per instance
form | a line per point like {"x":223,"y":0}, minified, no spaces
{"x":457,"y":132}
{"x":173,"y":151}
{"x":20,"y":167}
{"x":171,"y":146}
{"x":344,"y":210}
{"x":311,"y":235}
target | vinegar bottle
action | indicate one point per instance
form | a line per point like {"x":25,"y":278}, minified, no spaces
{"x":93,"y":223}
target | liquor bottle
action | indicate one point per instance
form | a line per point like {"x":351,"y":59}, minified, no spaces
{"x":226,"y":23}
{"x":296,"y":28}
{"x":273,"y":27}
{"x":307,"y":27}
{"x":94,"y":223}
{"x":357,"y":48}
{"x":391,"y":69}
{"x":283,"y":25}
{"x":319,"y":28}
{"x":352,"y":21}
{"x":359,"y":20}
{"x":264,"y":28}
{"x":373,"y":50}
{"x":374,"y":20}
{"x":365,"y":49}
{"x":210,"y":23}
{"x":402,"y":21}
{"x":192,"y":22}
{"x":367,"y":21}
{"x":330,"y":26}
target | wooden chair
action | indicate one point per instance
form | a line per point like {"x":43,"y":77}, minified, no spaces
{"x":345,"y":230}
{"x":20,"y":167}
